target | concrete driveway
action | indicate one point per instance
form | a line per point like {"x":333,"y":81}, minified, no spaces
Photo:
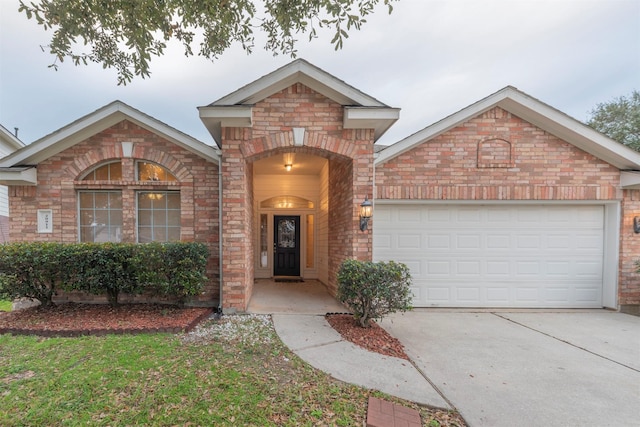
{"x":529,"y":368}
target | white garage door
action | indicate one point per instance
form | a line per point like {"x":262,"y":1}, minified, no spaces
{"x":496,"y":255}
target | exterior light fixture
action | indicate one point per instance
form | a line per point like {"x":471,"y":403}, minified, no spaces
{"x":366,"y":210}
{"x":636,"y":224}
{"x":288,"y":161}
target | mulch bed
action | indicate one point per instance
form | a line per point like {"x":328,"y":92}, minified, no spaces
{"x":374,"y":339}
{"x":72,"y":319}
{"x":97,"y":319}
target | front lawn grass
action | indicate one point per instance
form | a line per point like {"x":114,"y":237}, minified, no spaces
{"x":5,"y":305}
{"x":243,"y":377}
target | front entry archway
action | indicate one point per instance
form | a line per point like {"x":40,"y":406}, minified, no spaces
{"x":286,"y":245}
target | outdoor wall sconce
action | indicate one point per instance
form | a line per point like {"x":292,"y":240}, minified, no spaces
{"x":366,"y":210}
{"x":636,"y":224}
{"x":288,"y":161}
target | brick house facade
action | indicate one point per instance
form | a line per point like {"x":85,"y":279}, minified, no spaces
{"x":508,"y":154}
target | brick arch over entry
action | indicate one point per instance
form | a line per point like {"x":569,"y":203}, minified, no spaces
{"x":318,"y":144}
{"x":349,"y":181}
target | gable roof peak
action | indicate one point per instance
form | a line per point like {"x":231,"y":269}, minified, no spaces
{"x":95,"y":122}
{"x":298,"y":71}
{"x":538,"y":114}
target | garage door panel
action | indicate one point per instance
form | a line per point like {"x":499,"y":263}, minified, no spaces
{"x":409,"y":241}
{"x":517,"y":255}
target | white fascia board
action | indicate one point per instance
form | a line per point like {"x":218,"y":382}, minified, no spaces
{"x":571,"y":130}
{"x":215,"y":118}
{"x":630,"y":180}
{"x":298,"y":71}
{"x":94,"y":123}
{"x":20,"y":176}
{"x":9,"y":141}
{"x":379,"y":119}
{"x":535,"y":112}
{"x":181,"y":139}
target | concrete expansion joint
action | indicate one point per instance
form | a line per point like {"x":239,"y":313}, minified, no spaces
{"x":435,"y":387}
{"x":565,"y":342}
{"x":318,"y":345}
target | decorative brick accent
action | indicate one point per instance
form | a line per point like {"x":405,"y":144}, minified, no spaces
{"x":382,"y":413}
{"x":544,"y":167}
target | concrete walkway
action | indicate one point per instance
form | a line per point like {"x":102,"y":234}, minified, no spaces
{"x":298,"y":311}
{"x":316,"y":342}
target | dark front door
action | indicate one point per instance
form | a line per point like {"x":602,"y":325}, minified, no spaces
{"x":286,"y":242}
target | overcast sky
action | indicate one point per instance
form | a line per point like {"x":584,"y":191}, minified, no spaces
{"x":430,"y":58}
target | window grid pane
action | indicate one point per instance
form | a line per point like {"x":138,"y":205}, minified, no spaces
{"x":158,"y":216}
{"x":108,"y":172}
{"x":100,"y":216}
{"x":153,"y":172}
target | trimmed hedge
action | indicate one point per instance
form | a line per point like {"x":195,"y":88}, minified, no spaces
{"x":38,"y":270}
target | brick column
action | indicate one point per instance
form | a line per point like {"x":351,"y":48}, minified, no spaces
{"x":237,"y":277}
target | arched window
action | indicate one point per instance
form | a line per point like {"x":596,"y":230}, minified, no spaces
{"x":152,"y":172}
{"x":156,"y":208}
{"x":286,"y":202}
{"x":106,"y":172}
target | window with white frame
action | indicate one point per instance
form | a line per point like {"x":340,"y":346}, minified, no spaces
{"x":100,"y":216}
{"x":158,"y":216}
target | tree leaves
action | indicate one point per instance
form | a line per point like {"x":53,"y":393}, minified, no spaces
{"x":619,"y":119}
{"x":126,"y":34}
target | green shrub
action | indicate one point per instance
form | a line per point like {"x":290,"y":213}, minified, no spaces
{"x":105,"y":268}
{"x":31,"y":270}
{"x":37,"y":270}
{"x":174,"y":269}
{"x":374,"y":289}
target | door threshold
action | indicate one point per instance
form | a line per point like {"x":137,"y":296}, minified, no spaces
{"x":288,"y":279}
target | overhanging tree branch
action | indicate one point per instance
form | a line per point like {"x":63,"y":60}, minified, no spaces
{"x":127,"y":34}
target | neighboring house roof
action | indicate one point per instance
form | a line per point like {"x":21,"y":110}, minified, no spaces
{"x":90,"y":125}
{"x":361,"y":110}
{"x":8,"y":141}
{"x":539,"y":114}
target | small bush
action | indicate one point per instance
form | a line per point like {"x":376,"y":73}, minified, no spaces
{"x":374,"y":289}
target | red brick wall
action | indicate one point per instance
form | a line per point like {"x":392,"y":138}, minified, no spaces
{"x":629,"y":282}
{"x":542,"y":167}
{"x":271,"y":134}
{"x":59,"y":180}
